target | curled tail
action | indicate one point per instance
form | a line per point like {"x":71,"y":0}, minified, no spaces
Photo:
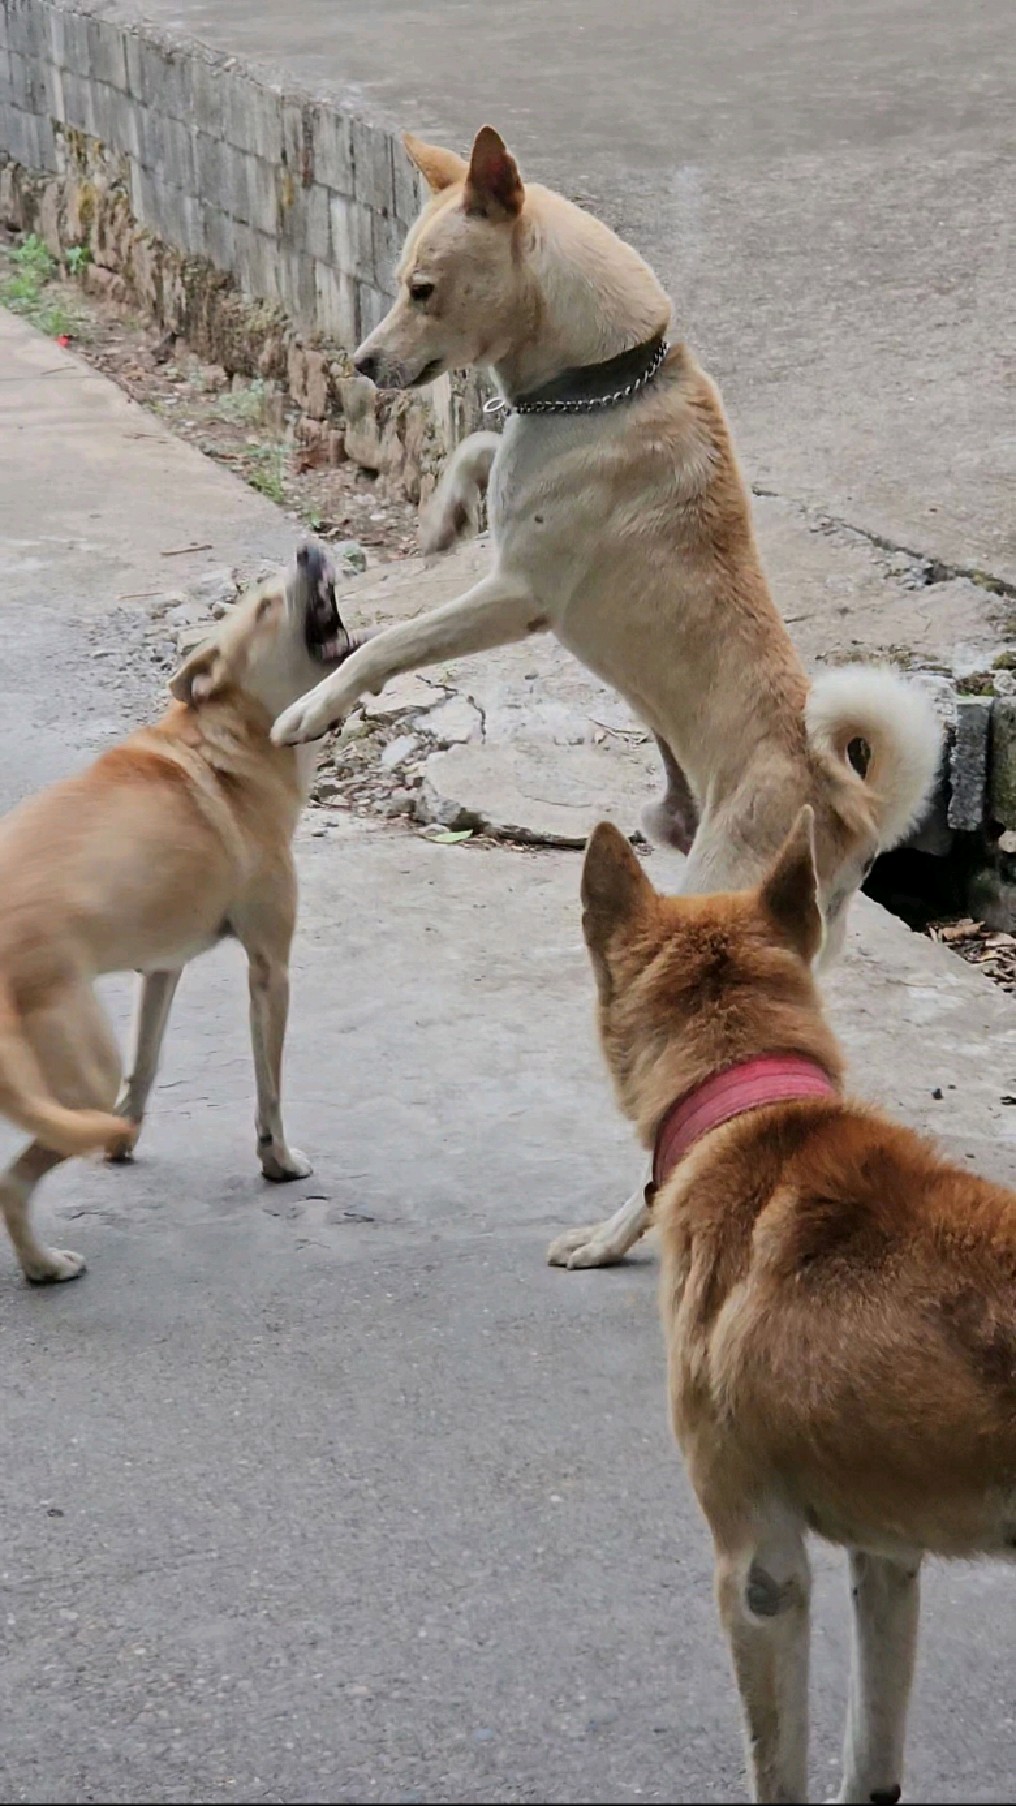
{"x":25,"y":1100}
{"x":896,"y":721}
{"x":457,"y":496}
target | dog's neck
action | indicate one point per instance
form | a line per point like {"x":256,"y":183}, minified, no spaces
{"x":746,"y":1086}
{"x":668,"y":1068}
{"x":591,"y":295}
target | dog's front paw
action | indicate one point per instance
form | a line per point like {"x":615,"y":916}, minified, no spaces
{"x":281,"y":1163}
{"x":309,"y":719}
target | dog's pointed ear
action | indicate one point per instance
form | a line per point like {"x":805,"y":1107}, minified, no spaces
{"x":493,"y":185}
{"x":439,"y":168}
{"x":613,"y":885}
{"x":789,"y":892}
{"x":200,"y":676}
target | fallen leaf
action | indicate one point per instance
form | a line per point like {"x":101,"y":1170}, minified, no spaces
{"x":449,"y":837}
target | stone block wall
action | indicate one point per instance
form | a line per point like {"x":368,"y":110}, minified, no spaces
{"x":233,"y":206}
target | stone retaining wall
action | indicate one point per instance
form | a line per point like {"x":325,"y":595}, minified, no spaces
{"x":259,"y":221}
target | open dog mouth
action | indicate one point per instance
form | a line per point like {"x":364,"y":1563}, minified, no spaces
{"x":325,"y":636}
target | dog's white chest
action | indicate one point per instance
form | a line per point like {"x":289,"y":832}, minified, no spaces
{"x":531,"y":485}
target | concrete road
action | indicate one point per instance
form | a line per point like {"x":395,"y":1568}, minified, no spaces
{"x":825,"y":190}
{"x":335,"y":1491}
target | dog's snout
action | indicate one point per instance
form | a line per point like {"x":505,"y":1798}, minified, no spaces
{"x":367,"y":363}
{"x":311,"y":561}
{"x":315,"y":569}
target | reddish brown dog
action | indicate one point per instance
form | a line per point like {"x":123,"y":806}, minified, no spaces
{"x":839,"y":1302}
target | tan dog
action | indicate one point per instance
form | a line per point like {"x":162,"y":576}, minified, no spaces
{"x":839,"y":1302}
{"x":621,"y":523}
{"x":170,"y":841}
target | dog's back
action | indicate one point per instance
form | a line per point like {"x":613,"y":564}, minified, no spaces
{"x":852,"y":1298}
{"x":839,"y":1301}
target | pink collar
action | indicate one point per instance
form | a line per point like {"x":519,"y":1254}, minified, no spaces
{"x":751,"y":1084}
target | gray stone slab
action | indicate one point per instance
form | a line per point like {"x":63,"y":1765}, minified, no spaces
{"x":107,"y":56}
{"x":1003,"y":762}
{"x":537,"y":792}
{"x":333,"y":150}
{"x":262,"y":187}
{"x":316,"y":224}
{"x":352,"y":237}
{"x":206,"y":173}
{"x":236,"y":199}
{"x":968,"y":763}
{"x":336,"y":304}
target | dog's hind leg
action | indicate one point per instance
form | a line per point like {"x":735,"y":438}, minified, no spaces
{"x":77,"y":1051}
{"x":673,"y":821}
{"x":604,"y":1244}
{"x":763,"y":1590}
{"x":39,"y":1263}
{"x":155,"y":994}
{"x":885,"y":1596}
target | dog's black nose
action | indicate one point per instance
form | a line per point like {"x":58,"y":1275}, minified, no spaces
{"x":366,"y":363}
{"x":311,"y":561}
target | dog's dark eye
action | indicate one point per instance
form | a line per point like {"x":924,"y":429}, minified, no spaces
{"x":420,"y":290}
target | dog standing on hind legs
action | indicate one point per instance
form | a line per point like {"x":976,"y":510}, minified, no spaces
{"x":169,"y":842}
{"x":838,"y":1301}
{"x":621,"y":524}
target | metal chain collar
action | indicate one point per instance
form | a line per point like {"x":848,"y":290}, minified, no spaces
{"x":498,"y":404}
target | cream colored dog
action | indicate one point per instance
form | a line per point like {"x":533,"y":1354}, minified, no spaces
{"x":621,"y":523}
{"x":170,"y":841}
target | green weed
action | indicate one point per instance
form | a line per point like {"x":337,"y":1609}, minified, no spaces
{"x":24,"y":291}
{"x":266,"y":472}
{"x":244,"y":405}
{"x":31,"y":258}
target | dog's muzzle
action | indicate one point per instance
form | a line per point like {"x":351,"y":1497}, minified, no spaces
{"x":325,"y":635}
